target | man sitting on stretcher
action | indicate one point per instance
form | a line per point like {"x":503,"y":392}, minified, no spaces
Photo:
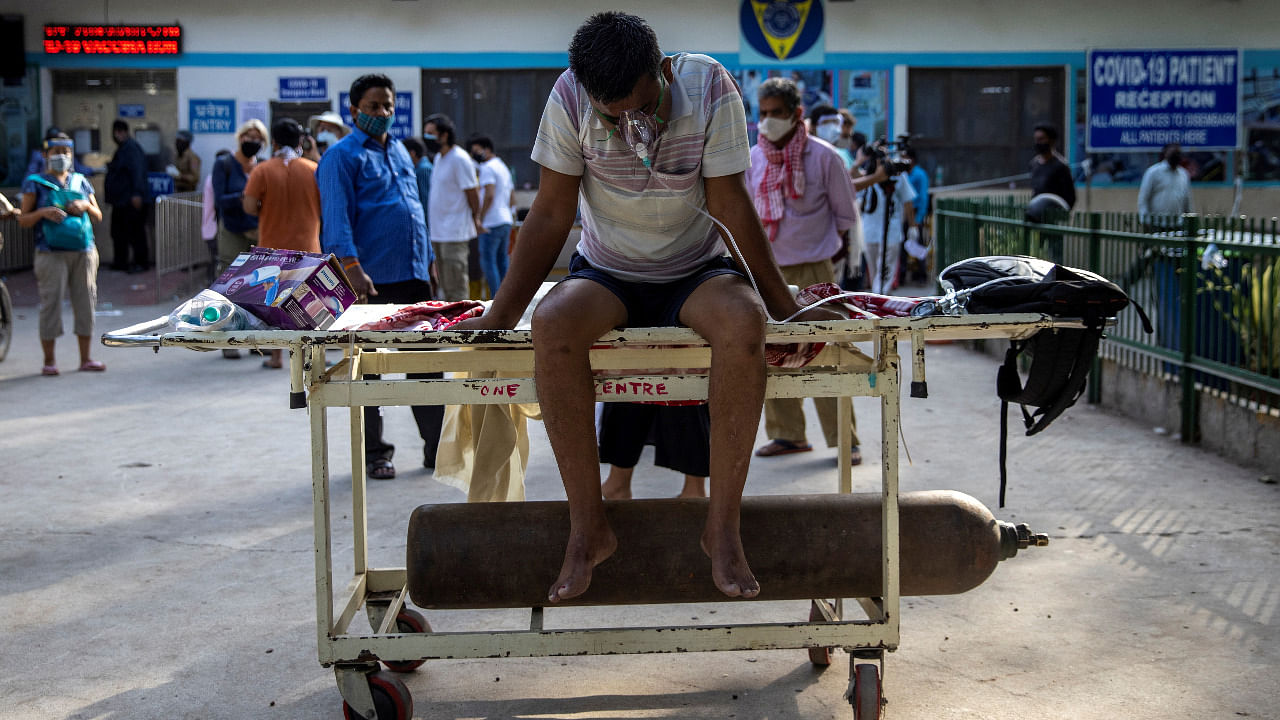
{"x":652,"y":148}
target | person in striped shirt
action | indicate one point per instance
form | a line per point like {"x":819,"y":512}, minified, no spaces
{"x":650,"y":148}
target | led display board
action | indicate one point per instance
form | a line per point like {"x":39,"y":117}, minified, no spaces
{"x":112,"y":39}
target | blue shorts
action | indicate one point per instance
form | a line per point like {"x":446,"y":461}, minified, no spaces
{"x":652,"y":304}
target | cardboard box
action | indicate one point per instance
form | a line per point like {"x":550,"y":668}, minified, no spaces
{"x":287,"y":289}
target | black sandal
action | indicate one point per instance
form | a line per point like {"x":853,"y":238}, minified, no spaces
{"x":381,"y":469}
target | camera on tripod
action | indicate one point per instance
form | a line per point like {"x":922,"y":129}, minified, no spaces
{"x":891,"y":155}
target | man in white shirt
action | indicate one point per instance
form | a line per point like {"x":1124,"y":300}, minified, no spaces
{"x":453,"y":208}
{"x":495,"y":210}
{"x":629,"y":136}
{"x":1165,"y":193}
{"x":887,"y":208}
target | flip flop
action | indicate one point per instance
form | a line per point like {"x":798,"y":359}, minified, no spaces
{"x":782,"y":447}
{"x":49,"y":370}
{"x":92,"y":366}
{"x":381,"y":469}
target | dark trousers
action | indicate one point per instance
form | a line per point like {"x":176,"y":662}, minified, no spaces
{"x":429,"y":418}
{"x":128,"y":232}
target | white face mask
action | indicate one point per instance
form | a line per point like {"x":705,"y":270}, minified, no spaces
{"x":774,"y":128}
{"x":829,"y":132}
{"x":59,"y":163}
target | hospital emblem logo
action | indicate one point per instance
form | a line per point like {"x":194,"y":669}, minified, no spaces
{"x":781,"y":29}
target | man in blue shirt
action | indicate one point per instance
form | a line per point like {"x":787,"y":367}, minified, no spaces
{"x":422,"y":167}
{"x":372,"y":219}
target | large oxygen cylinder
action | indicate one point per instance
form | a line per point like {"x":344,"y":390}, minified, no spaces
{"x":502,"y":555}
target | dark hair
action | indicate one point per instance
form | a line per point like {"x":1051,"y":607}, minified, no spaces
{"x":415,"y":146}
{"x":483,"y":141}
{"x":857,"y":140}
{"x":820,"y":111}
{"x":119,"y":125}
{"x":1050,"y":131}
{"x":222,"y":153}
{"x":286,"y":132}
{"x":52,"y":132}
{"x":443,"y":125}
{"x":610,"y":52}
{"x":364,"y":82}
{"x":783,"y":89}
{"x":910,"y":152}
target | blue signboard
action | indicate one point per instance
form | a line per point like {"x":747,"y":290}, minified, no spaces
{"x":304,"y":88}
{"x":1145,"y":99}
{"x":132,"y":110}
{"x":401,"y":123}
{"x":160,"y":183}
{"x":212,"y":116}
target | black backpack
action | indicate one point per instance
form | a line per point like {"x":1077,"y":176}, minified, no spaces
{"x":1060,"y":358}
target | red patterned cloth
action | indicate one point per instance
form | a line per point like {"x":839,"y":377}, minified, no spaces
{"x":785,"y":172}
{"x":861,"y":304}
{"x":427,"y":315}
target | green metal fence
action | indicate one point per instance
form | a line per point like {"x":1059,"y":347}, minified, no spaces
{"x":1211,"y":286}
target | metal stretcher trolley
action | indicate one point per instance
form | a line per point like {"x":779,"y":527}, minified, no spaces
{"x":953,"y":546}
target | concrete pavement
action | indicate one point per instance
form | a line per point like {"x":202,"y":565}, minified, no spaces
{"x":156,"y":562}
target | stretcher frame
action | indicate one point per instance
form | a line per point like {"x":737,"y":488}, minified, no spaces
{"x":840,"y":370}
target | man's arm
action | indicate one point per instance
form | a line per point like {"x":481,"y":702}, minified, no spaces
{"x":542,"y":236}
{"x":252,"y":190}
{"x":862,"y":182}
{"x":488,"y":200}
{"x":729,"y":202}
{"x":473,"y":201}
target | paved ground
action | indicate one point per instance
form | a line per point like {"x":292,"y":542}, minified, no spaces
{"x":156,"y":562}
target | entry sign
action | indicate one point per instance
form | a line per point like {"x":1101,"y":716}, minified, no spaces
{"x":401,"y":122}
{"x":132,"y":110}
{"x":212,"y":116}
{"x":160,"y":183}
{"x":1144,"y":99}
{"x":304,"y":88}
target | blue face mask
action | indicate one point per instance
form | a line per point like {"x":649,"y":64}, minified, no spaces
{"x":374,"y":126}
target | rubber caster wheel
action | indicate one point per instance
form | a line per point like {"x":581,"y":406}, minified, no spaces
{"x":866,"y":698}
{"x":409,"y":621}
{"x":819,"y":656}
{"x":390,"y":698}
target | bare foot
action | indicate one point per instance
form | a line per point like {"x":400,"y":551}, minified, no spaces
{"x":582,"y":554}
{"x":615,"y":489}
{"x":729,"y":567}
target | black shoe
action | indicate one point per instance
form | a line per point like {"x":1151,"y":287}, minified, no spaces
{"x":429,"y":462}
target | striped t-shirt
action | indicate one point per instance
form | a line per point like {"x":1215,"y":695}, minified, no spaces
{"x":636,"y":225}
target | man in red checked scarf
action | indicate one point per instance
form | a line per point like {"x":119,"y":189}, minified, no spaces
{"x":806,"y":201}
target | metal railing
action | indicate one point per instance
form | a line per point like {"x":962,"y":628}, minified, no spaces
{"x":1211,"y":286}
{"x":179,"y":244}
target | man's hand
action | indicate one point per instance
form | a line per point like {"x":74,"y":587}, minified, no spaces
{"x":361,"y":283}
{"x":479,"y":226}
{"x":822,"y":313}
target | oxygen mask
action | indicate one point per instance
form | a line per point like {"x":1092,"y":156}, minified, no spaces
{"x":639,"y":130}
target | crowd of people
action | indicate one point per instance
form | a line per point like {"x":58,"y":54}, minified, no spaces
{"x":650,"y":153}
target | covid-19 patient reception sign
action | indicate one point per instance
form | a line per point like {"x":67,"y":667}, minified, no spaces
{"x":1144,"y":99}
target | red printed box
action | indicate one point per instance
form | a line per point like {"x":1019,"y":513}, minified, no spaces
{"x":287,"y":289}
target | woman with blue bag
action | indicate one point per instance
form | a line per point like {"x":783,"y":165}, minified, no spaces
{"x":60,"y":205}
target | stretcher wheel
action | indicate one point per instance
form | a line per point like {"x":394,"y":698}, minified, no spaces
{"x":819,"y":656}
{"x":866,"y":692}
{"x":409,"y":621}
{"x":390,"y":698}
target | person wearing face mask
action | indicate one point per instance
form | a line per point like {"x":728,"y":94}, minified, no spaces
{"x":372,"y":219}
{"x":127,"y":193}
{"x":238,"y":230}
{"x":1049,"y":174}
{"x":805,"y":198}
{"x":495,"y":210}
{"x":453,"y":208}
{"x":644,"y":144}
{"x":61,"y":206}
{"x":827,"y":124}
{"x":1165,"y":193}
{"x":327,"y":129}
{"x":185,"y":169}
